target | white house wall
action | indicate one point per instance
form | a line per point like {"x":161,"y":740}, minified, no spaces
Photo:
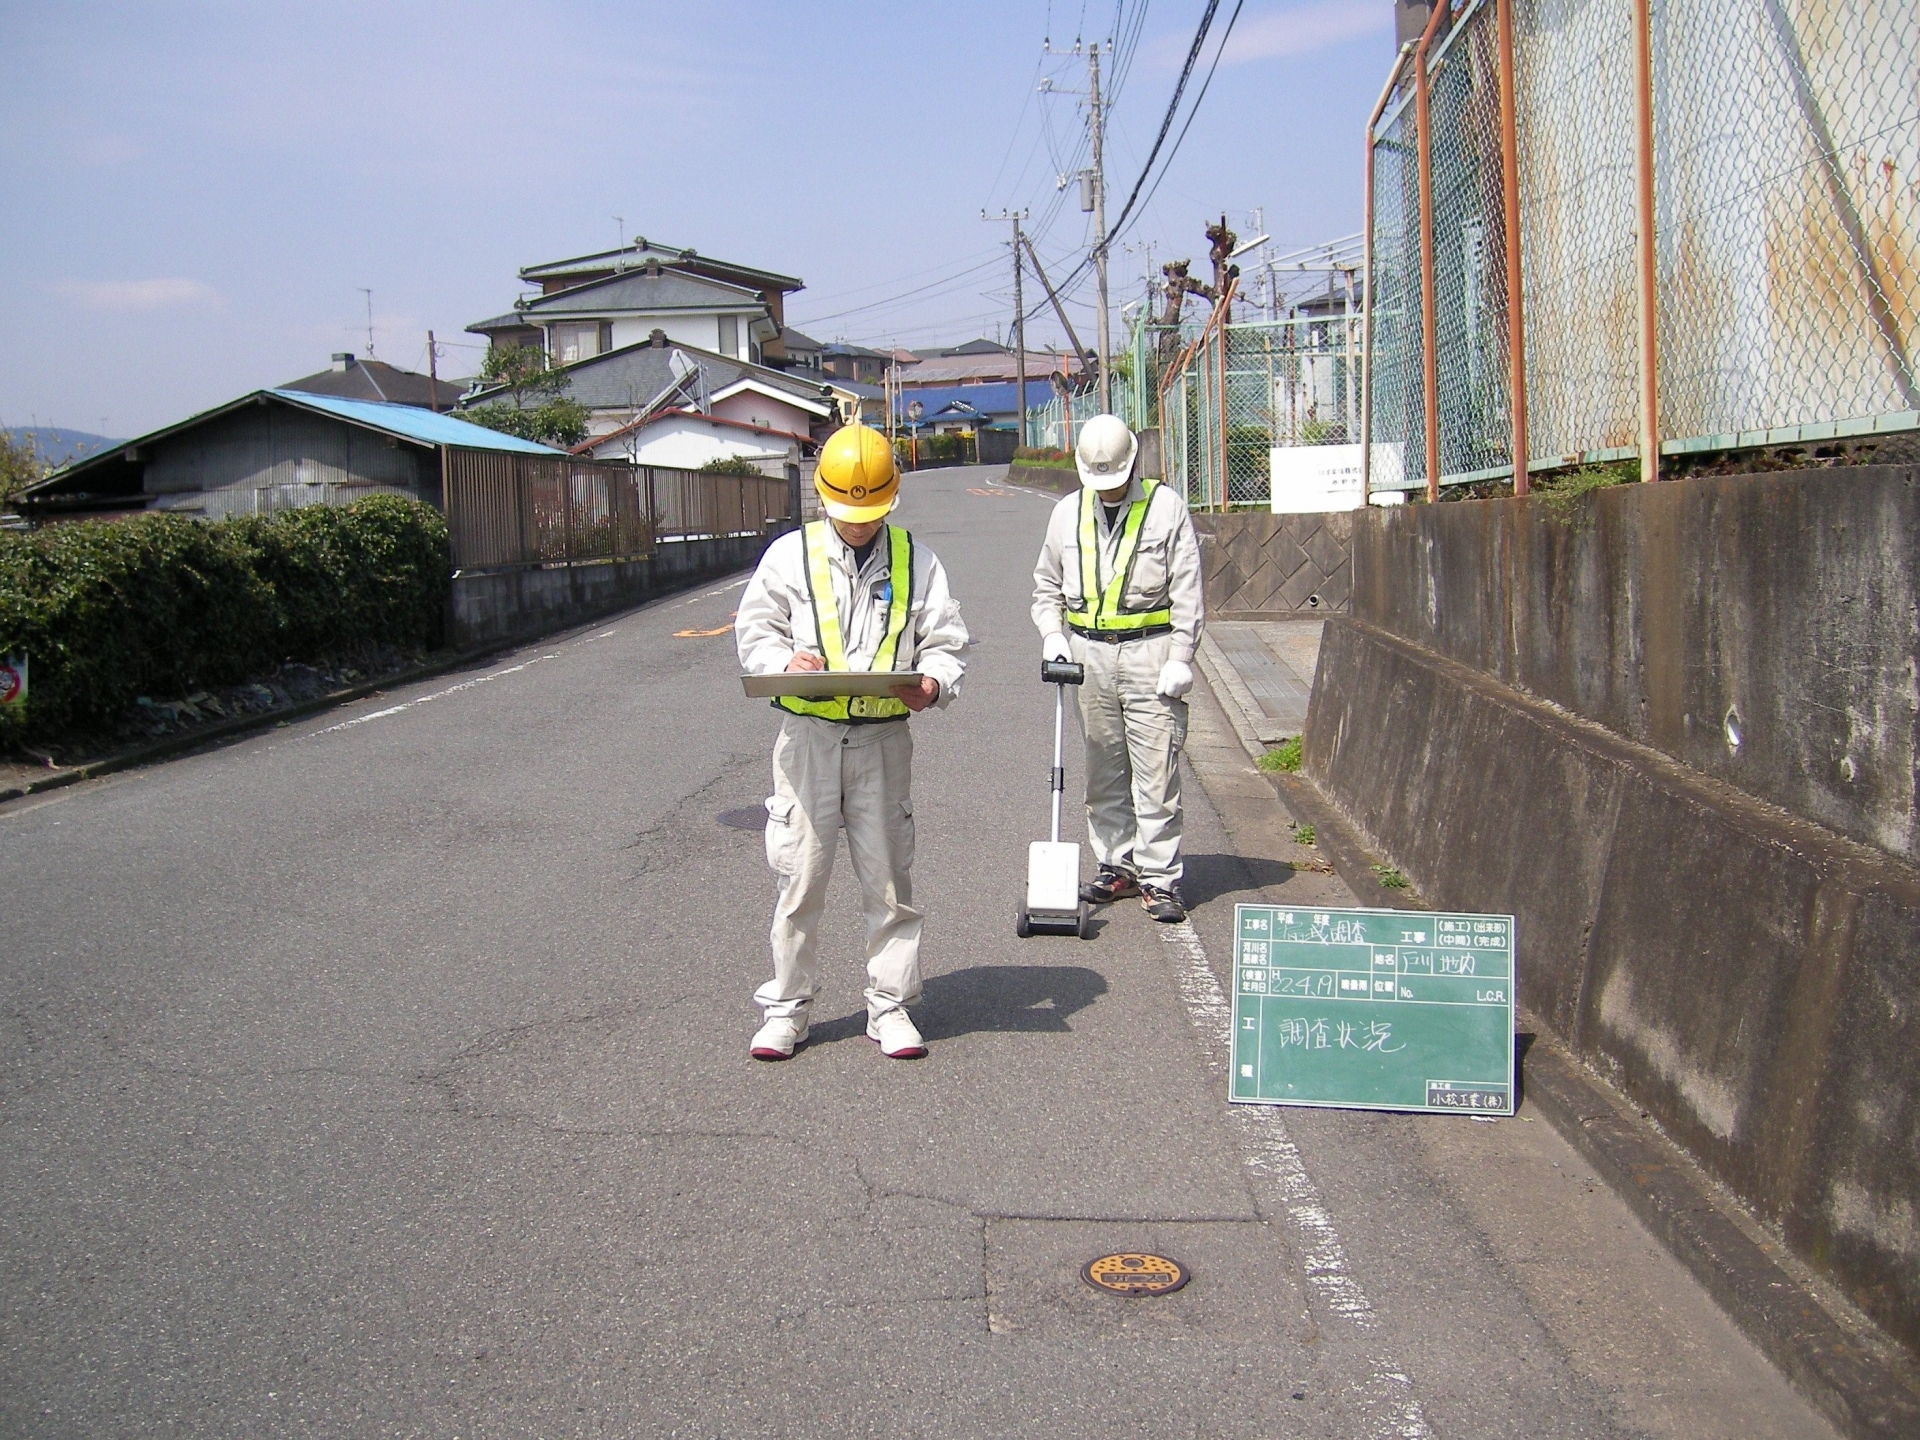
{"x":701,"y":331}
{"x":750,"y":407}
{"x":687,"y":444}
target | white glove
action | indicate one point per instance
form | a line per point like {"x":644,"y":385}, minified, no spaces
{"x":1056,"y":647}
{"x":1176,"y":679}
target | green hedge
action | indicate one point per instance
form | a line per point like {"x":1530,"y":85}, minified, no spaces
{"x":161,"y":605}
{"x":1036,"y":455}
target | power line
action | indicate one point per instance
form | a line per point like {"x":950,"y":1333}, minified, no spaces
{"x":916,"y":292}
{"x":1166,"y":124}
{"x":1225,"y":36}
{"x":897,"y":279}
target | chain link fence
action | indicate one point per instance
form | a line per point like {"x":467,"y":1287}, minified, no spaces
{"x":1241,"y":393}
{"x":1053,"y":425}
{"x":1786,"y":194}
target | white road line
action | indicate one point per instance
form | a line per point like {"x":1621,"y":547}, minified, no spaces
{"x":450,"y":690}
{"x":711,"y":593}
{"x":1272,"y":1156}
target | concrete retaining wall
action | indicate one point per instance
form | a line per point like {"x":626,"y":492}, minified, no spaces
{"x":1749,"y":976}
{"x":1778,"y":608}
{"x":511,"y":604}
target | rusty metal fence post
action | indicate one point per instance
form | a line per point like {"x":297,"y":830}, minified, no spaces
{"x":1516,"y":289}
{"x":1646,"y":292}
{"x":1429,"y":303}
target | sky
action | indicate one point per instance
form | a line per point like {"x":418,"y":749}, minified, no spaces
{"x":199,"y":196}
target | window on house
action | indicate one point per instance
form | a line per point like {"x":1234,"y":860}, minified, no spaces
{"x":729,"y":335}
{"x":606,"y":337}
{"x":575,"y":342}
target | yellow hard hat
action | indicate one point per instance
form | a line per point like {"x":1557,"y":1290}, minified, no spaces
{"x":858,"y":478}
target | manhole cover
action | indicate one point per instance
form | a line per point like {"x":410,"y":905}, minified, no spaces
{"x":1134,"y":1274}
{"x":754,"y":817}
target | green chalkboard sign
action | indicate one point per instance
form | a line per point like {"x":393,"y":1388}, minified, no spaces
{"x":1373,"y":1009}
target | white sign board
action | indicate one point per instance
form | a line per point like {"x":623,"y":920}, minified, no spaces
{"x":1309,"y":479}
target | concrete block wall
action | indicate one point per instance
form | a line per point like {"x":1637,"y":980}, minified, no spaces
{"x":1276,"y":567}
{"x":500,"y":605}
{"x":1746,"y":970}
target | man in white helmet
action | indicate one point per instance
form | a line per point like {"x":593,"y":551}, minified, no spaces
{"x":1117,"y":589}
{"x":850,"y":592}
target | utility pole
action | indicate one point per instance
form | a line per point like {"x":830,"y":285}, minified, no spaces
{"x":433,"y":374}
{"x":1058,"y":308}
{"x":1094,"y":126}
{"x":1019,"y":323}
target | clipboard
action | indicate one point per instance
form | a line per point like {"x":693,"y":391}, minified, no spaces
{"x":825,"y":684}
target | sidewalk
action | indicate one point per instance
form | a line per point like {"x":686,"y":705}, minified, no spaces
{"x":1262,"y":672}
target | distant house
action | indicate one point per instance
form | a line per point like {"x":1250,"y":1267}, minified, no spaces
{"x":803,"y":353}
{"x":583,"y":308}
{"x":624,"y":309}
{"x":964,"y":407}
{"x":265,"y":452}
{"x":352,"y":378}
{"x":659,"y":403}
{"x":971,"y":347}
{"x":865,"y":403}
{"x":980,"y":362}
{"x":854,"y":362}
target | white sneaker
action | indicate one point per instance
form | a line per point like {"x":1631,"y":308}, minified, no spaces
{"x":779,"y":1038}
{"x":897,"y":1036}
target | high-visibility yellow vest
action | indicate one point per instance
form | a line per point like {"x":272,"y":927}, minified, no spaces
{"x":826,"y":623}
{"x":1103,"y":609}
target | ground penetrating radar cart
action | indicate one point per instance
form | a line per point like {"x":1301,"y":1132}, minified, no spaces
{"x":1053,"y":904}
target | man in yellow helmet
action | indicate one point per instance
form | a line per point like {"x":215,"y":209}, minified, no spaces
{"x":1117,"y":588}
{"x":848,"y":593}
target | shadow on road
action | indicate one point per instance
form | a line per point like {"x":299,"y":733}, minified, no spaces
{"x":1027,"y":998}
{"x":1209,"y":877}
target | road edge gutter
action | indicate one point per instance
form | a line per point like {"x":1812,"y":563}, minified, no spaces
{"x":1840,"y":1368}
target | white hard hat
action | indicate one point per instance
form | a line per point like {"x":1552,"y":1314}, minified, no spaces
{"x":1104,"y":454}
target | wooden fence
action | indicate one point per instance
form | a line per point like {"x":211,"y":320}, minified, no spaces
{"x":508,"y":510}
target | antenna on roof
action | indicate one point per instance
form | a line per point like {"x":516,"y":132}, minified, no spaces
{"x":369,"y":294}
{"x":620,"y":225}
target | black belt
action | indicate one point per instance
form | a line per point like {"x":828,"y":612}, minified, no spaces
{"x":1115,"y":637}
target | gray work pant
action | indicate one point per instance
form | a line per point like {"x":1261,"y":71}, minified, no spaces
{"x":825,"y":777}
{"x":1134,"y":739}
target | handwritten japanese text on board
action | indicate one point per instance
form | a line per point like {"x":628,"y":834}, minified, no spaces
{"x":1373,"y":1009}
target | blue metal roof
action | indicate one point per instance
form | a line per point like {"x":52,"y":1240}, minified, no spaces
{"x":410,"y":422}
{"x":989,"y":399}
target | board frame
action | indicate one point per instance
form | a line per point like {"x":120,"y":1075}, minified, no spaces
{"x":826,"y":684}
{"x":1406,"y":922}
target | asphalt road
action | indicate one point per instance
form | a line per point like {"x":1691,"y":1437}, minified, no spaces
{"x":386,"y":1074}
